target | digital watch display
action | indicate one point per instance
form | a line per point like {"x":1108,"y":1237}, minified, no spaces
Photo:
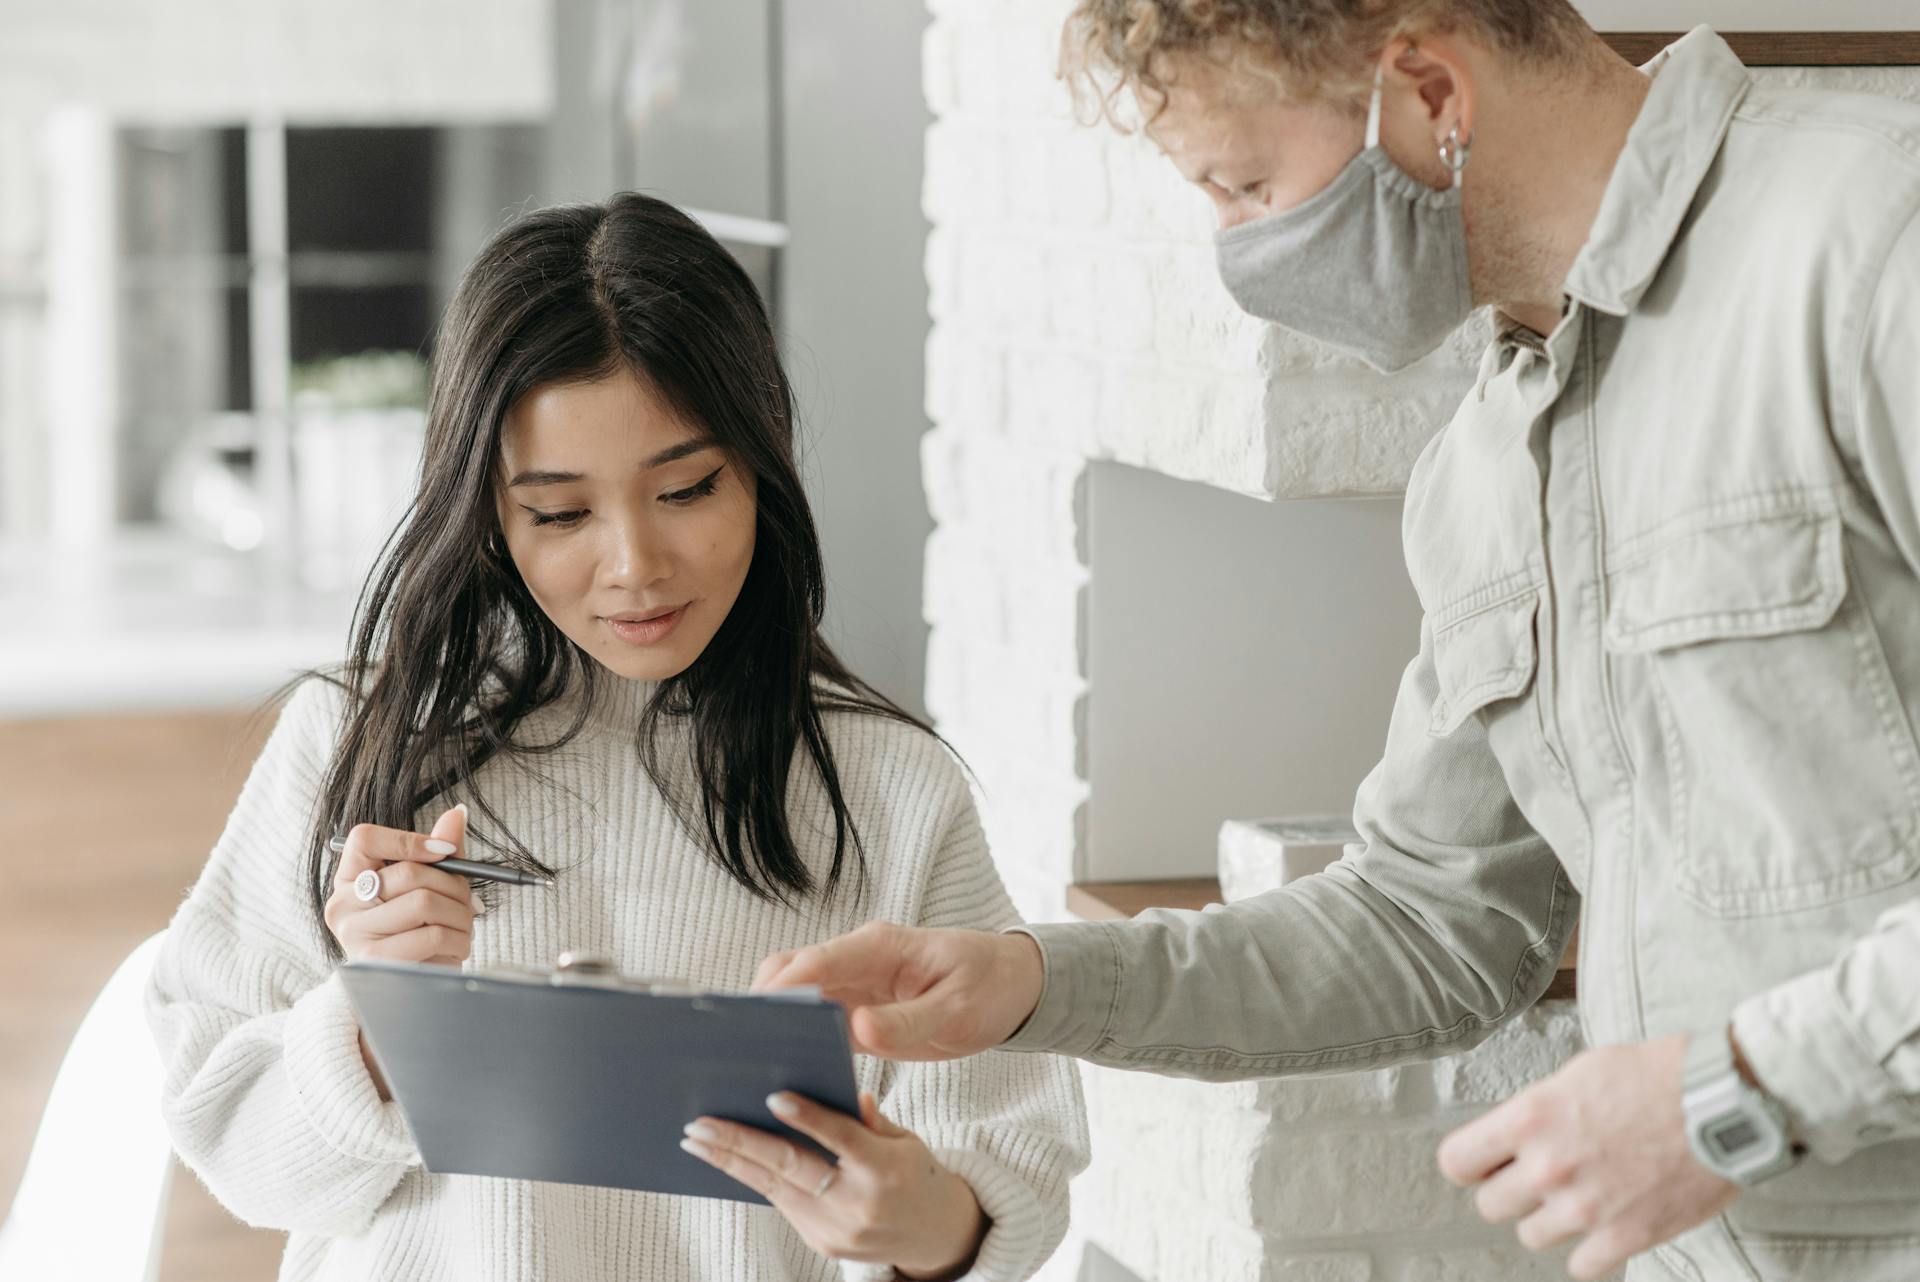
{"x":1736,"y":1131}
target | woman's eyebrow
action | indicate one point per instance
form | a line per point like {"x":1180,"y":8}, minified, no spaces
{"x":543,"y":478}
{"x":672,"y":454}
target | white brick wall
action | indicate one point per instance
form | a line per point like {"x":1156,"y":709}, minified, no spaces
{"x":1306,"y":1177}
{"x":1328,"y":1177}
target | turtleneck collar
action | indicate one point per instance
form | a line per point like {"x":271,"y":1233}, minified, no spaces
{"x":618,"y":701}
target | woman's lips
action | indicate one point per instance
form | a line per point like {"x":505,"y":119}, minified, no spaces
{"x":646,"y":631}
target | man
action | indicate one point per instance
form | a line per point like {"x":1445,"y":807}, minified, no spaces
{"x":1668,"y":678}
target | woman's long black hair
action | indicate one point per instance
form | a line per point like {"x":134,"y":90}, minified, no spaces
{"x":450,"y":652}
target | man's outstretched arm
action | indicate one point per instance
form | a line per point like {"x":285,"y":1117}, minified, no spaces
{"x":1449,"y":916}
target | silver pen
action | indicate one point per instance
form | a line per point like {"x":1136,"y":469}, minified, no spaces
{"x":471,"y":868}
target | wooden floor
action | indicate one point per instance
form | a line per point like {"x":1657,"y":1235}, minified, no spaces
{"x":104,"y":823}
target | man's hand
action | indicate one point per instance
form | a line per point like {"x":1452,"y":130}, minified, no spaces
{"x":917,"y":994}
{"x":1597,"y":1151}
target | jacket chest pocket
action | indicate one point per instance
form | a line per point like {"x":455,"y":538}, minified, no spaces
{"x":1482,"y":653}
{"x":1486,"y":658}
{"x":1792,"y":775}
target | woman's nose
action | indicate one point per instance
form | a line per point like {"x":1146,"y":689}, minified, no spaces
{"x":637,"y":557}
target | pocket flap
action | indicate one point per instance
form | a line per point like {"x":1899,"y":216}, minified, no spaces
{"x":1481,"y":657}
{"x":1751,"y":578}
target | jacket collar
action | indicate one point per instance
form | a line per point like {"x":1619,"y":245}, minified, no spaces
{"x":1697,"y":83}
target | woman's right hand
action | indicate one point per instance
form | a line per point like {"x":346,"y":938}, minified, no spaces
{"x":422,"y":915}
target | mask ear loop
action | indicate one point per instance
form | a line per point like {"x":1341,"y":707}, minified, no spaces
{"x":1373,"y":112}
{"x":1455,"y":151}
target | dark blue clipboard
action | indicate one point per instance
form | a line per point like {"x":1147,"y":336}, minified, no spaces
{"x":539,"y":1075}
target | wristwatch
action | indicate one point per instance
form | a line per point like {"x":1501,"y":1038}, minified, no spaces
{"x":1738,"y":1132}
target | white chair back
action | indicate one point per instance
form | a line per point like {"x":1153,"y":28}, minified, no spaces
{"x":92,"y":1202}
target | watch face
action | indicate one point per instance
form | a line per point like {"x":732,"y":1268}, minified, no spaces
{"x":1731,"y":1137}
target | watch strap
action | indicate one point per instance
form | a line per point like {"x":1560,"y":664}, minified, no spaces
{"x":1708,"y":1059}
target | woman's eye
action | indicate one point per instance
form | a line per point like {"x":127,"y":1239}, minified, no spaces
{"x":561,"y":519}
{"x":700,"y":490}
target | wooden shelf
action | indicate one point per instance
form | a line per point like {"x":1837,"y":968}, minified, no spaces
{"x":1788,"y":48}
{"x":1119,"y":900}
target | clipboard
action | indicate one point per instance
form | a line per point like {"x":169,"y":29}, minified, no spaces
{"x":579,"y":1075}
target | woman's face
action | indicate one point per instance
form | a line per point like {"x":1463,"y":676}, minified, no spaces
{"x":632,"y":528}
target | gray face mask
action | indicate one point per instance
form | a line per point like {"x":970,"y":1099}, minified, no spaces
{"x":1375,"y":264}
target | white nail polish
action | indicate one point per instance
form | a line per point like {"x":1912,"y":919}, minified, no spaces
{"x":435,"y":846}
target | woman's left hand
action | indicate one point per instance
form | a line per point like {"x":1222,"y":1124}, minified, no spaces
{"x":887,"y":1202}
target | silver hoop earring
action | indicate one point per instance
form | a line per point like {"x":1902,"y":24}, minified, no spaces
{"x":1455,"y":151}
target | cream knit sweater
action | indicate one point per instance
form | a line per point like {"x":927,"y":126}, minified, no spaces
{"x":270,"y":1105}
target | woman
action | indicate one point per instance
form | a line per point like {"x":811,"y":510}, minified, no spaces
{"x":597,"y":634}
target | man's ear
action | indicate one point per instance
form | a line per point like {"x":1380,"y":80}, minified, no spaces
{"x":1435,"y":67}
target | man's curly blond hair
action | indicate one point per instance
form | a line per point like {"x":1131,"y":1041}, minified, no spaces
{"x":1311,"y":49}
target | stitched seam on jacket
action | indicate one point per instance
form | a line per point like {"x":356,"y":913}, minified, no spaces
{"x":1540,"y":947}
{"x":1227,"y":1056}
{"x":1848,"y":411}
{"x":1658,"y":635}
{"x":1906,"y":145}
{"x":1486,"y":597}
{"x":1453,"y":711}
{"x":1753,"y":506}
{"x":1872,"y":652}
{"x":1796,"y":1242}
{"x":1113,"y":999}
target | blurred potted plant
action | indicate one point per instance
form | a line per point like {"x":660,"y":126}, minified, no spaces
{"x":359,"y":423}
{"x":208,"y":486}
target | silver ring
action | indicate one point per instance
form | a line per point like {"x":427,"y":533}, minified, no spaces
{"x":826,"y":1181}
{"x":366,"y":887}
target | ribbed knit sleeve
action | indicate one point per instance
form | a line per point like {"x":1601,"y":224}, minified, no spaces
{"x":266,"y":1095}
{"x":1014,"y":1127}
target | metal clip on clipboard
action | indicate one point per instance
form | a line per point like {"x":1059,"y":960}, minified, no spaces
{"x":589,"y":970}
